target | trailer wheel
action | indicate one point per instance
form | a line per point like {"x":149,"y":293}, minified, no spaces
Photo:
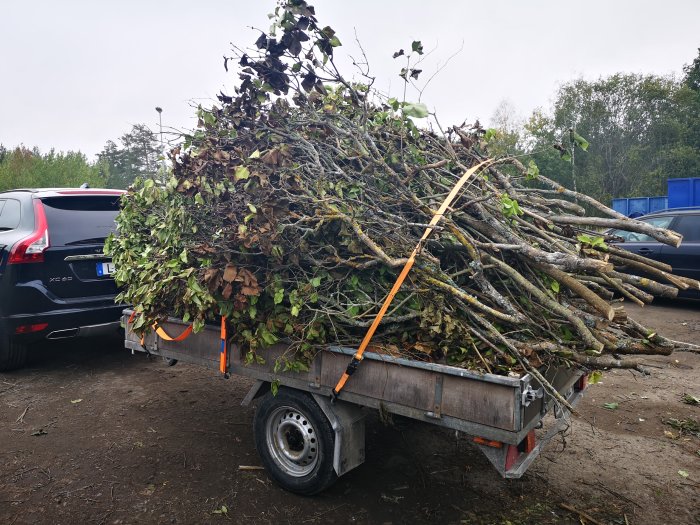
{"x":295,"y":441}
{"x":12,"y":355}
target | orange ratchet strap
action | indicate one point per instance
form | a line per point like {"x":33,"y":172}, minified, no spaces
{"x":164,"y":335}
{"x":357,"y":358}
{"x":223,"y":353}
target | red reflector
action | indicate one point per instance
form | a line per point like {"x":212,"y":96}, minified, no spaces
{"x":511,"y":456}
{"x":30,"y":328}
{"x":488,"y":442}
{"x":530,"y":441}
{"x":582,"y":383}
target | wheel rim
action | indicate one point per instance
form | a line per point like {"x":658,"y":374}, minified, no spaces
{"x":291,"y":439}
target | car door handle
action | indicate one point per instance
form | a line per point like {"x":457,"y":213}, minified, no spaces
{"x":645,"y":251}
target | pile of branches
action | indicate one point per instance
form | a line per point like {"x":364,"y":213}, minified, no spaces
{"x":294,"y":206}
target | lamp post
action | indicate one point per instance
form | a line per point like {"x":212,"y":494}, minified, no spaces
{"x":162,"y":148}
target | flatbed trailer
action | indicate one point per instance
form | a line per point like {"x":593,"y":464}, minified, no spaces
{"x":306,"y":439}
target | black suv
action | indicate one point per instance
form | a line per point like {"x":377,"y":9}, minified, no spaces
{"x":685,"y":260}
{"x":55,"y":281}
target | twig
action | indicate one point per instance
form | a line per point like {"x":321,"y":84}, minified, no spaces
{"x":582,"y":514}
{"x":20,"y":419}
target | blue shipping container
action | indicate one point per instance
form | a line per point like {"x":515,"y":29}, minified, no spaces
{"x":683,"y":193}
{"x":639,"y":205}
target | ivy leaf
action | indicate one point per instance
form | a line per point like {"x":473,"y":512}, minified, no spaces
{"x":295,"y":311}
{"x":398,"y":53}
{"x":279,"y":296}
{"x":417,"y":47}
{"x":417,"y":110}
{"x":611,"y":406}
{"x":316,"y":282}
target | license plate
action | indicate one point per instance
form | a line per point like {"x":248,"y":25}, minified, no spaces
{"x":105,"y":269}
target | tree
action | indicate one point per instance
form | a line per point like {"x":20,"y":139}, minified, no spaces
{"x":25,"y":168}
{"x":505,"y":135}
{"x":137,"y":157}
{"x":641,"y":131}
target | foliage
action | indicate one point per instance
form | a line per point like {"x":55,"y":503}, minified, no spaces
{"x":138,"y":156}
{"x":24,"y":168}
{"x":640,"y":130}
{"x":292,"y":208}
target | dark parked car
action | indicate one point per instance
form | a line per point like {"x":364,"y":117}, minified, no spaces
{"x":55,"y":281}
{"x":685,"y":260}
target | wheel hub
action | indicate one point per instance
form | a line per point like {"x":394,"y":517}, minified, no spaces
{"x":291,"y":439}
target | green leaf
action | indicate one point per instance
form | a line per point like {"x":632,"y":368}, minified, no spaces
{"x":490,"y":134}
{"x":241,"y":173}
{"x":415,"y":110}
{"x":295,"y":311}
{"x":252,"y":208}
{"x":683,"y":473}
{"x":183,"y":256}
{"x":566,"y":157}
{"x":580,"y":141}
{"x":198,"y":198}
{"x":689,"y":399}
{"x":279,"y":296}
{"x":316,"y":282}
{"x":555,"y":286}
{"x":275,"y":387}
{"x":532,"y":171}
{"x":611,"y":406}
{"x":255,"y":154}
{"x":334,"y":42}
{"x":223,"y":510}
{"x":595,"y":377}
{"x":417,"y":47}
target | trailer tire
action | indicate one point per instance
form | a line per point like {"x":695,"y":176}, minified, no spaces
{"x":295,"y":441}
{"x":12,"y":355}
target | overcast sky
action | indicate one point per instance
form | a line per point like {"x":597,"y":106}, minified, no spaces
{"x":76,"y":73}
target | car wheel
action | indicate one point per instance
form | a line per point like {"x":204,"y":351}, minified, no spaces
{"x":12,"y":355}
{"x":295,"y":441}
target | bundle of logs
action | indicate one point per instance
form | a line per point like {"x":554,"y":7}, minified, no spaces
{"x":294,"y":206}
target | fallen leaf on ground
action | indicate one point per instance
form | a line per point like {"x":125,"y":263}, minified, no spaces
{"x":611,"y":406}
{"x":691,"y":400}
{"x":40,"y":432}
{"x":74,"y":401}
{"x":683,"y":473}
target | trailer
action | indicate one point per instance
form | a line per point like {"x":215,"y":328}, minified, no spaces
{"x":306,"y":439}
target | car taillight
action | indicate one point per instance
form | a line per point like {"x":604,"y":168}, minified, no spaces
{"x":31,"y":248}
{"x":30,"y":328}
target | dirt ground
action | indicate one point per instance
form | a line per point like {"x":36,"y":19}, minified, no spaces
{"x":90,"y":434}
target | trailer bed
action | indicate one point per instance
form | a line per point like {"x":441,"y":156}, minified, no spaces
{"x":494,"y":407}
